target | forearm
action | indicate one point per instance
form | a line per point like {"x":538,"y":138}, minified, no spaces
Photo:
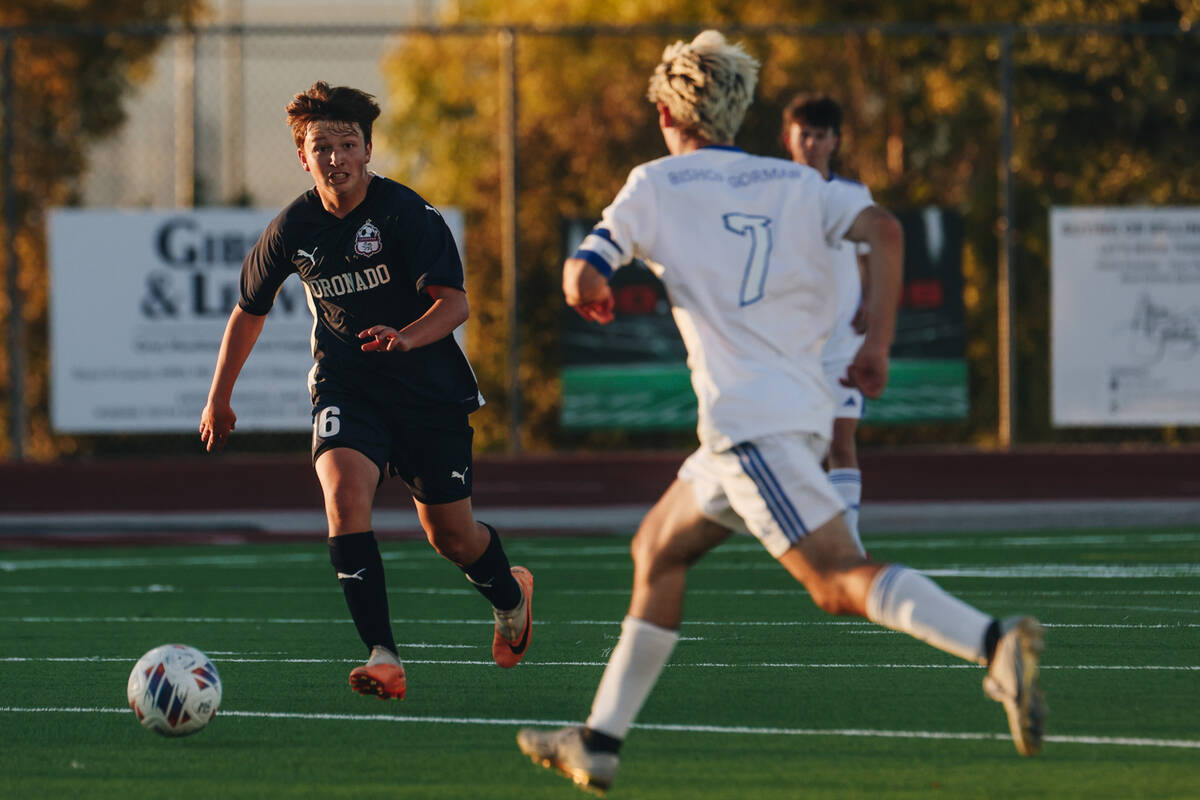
{"x":241,"y":334}
{"x":438,"y":322}
{"x":884,"y":275}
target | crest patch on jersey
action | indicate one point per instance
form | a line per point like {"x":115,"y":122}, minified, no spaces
{"x":368,"y":241}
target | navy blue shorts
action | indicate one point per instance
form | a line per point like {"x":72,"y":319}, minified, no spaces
{"x":429,"y":449}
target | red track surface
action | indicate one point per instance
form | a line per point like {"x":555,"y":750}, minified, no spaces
{"x":233,"y":482}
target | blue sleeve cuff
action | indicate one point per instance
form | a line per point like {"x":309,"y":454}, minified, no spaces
{"x":596,"y":260}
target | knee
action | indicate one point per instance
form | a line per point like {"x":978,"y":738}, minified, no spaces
{"x":345,"y":498}
{"x":449,"y":543}
{"x":649,"y":555}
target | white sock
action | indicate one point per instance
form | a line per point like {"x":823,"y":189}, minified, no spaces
{"x":905,"y":600}
{"x":848,"y":482}
{"x":633,"y":668}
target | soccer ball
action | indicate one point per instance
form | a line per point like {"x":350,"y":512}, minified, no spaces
{"x":174,"y":690}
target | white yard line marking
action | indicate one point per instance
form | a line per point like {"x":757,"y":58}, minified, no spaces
{"x":682,"y":665}
{"x":1115,"y":741}
{"x":796,"y":589}
{"x":331,"y":588}
{"x":604,"y":622}
{"x":1123,"y":608}
{"x":410,"y":562}
{"x":919,"y":542}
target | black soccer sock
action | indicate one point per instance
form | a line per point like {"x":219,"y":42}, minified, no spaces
{"x":991,"y":638}
{"x":492,"y":575}
{"x":598,"y":742}
{"x":355,"y":557}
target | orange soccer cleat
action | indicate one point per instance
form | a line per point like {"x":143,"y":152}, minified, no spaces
{"x":514,"y":628}
{"x":382,"y":675}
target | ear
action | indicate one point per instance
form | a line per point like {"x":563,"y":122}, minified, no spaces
{"x":367,"y":150}
{"x":664,"y":116}
{"x":303,"y":159}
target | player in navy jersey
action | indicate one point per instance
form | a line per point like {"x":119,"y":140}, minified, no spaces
{"x":391,"y":388}
{"x":812,"y":135}
{"x":742,"y":244}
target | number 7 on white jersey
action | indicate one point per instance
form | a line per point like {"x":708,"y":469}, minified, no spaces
{"x":759,"y":230}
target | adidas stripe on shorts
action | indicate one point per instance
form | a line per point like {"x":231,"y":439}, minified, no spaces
{"x":772,"y":487}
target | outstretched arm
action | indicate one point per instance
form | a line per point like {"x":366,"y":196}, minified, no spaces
{"x":217,"y":419}
{"x":885,"y":267}
{"x":587,"y":291}
{"x":449,"y":310}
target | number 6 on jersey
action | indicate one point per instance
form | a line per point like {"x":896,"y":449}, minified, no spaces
{"x":759,"y":230}
{"x":327,"y":423}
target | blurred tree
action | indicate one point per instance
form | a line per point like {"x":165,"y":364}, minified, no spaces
{"x":923,"y":128}
{"x":67,"y":91}
{"x":1101,"y":118}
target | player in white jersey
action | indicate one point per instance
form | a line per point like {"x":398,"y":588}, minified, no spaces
{"x":742,"y":244}
{"x":812,"y":134}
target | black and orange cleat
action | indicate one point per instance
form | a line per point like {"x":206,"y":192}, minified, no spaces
{"x":514,"y":628}
{"x":382,"y":675}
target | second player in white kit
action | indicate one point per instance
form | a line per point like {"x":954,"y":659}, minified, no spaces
{"x":742,"y":244}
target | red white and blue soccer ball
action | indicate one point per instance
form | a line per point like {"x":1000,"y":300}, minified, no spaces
{"x":174,"y":690}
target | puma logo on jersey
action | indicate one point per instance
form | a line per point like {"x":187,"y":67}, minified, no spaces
{"x":462,"y":476}
{"x":310,"y":256}
{"x":358,"y":576}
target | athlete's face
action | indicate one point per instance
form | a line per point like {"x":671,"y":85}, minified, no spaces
{"x":336,"y":156}
{"x":812,"y":145}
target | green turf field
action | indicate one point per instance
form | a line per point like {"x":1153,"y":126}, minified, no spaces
{"x":764,"y":697}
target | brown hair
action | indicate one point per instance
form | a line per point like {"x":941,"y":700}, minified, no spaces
{"x":331,"y":103}
{"x":820,"y":111}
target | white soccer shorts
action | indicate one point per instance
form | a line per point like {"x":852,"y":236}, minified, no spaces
{"x":848,"y":402}
{"x":773,"y":488}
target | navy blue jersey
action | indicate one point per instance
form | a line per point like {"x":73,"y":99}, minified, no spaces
{"x":369,"y":268}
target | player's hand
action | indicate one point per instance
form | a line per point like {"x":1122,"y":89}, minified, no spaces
{"x":217,"y":421}
{"x":599,"y":309}
{"x":868,"y":372}
{"x":382,"y":339}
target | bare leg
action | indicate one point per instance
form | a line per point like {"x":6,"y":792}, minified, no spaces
{"x":843,"y":581}
{"x":452,"y":530}
{"x":672,"y":537}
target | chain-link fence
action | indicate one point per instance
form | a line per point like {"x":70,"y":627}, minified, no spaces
{"x":993,"y":124}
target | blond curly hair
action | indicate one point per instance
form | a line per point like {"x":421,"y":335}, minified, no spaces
{"x":707,"y":84}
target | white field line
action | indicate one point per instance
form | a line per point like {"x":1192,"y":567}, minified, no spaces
{"x":603,"y":622}
{"x":1021,"y":571}
{"x":413,"y":562}
{"x":897,"y":541}
{"x":1114,"y":741}
{"x":696,"y":665}
{"x":331,"y":588}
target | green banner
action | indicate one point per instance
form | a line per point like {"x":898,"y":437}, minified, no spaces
{"x":660,"y":397}
{"x":635,"y":397}
{"x":631,"y":374}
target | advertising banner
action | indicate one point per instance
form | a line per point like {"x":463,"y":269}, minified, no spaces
{"x":631,"y":374}
{"x":1126,"y":316}
{"x":138,"y":306}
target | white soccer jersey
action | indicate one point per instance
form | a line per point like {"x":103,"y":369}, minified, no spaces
{"x":843,"y":342}
{"x":742,"y":244}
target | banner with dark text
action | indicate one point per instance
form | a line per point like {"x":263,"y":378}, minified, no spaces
{"x":138,"y":306}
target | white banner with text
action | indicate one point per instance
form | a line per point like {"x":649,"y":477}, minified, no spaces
{"x":1126,"y":316}
{"x":138,"y":305}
